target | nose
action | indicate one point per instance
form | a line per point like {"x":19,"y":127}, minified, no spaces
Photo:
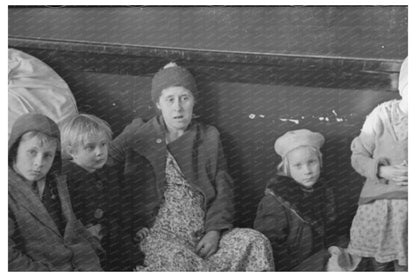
{"x":99,"y":150}
{"x":308,"y":169}
{"x":177,"y":105}
{"x":38,"y":161}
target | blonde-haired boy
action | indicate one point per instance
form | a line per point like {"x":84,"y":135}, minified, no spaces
{"x":93,"y":188}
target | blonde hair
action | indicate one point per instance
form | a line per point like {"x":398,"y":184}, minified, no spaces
{"x":78,"y":129}
{"x":283,"y":167}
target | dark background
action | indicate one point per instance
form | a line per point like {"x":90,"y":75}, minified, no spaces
{"x":261,"y":71}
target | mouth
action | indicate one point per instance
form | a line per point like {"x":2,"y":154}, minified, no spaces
{"x":178,"y":117}
{"x":36,"y":172}
{"x":100,"y":161}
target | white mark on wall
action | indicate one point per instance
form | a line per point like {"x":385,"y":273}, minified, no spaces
{"x":253,"y":116}
{"x":296,"y":121}
{"x":328,"y":117}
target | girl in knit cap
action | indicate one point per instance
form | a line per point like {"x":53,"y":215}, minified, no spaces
{"x":184,"y":217}
{"x":379,"y":229}
{"x":298,"y":207}
{"x":44,"y":234}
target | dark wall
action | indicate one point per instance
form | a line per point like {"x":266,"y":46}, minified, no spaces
{"x":339,"y":31}
{"x":251,"y":98}
{"x":250,"y":118}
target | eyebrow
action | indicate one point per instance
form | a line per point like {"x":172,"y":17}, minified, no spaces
{"x":89,"y":144}
{"x":180,"y":95}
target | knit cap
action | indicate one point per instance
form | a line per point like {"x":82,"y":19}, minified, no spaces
{"x":296,"y":138}
{"x":172,"y":75}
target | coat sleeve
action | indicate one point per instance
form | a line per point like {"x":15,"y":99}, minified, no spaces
{"x":18,"y":261}
{"x":86,"y":252}
{"x":363,"y":146}
{"x":119,"y":146}
{"x":271,"y":220}
{"x":220,"y":213}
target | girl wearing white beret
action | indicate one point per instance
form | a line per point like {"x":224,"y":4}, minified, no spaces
{"x":298,"y":206}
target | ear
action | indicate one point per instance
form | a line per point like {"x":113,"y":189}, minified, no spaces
{"x":158,"y":105}
{"x":70,"y":150}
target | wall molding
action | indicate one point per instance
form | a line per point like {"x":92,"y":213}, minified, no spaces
{"x":265,"y":68}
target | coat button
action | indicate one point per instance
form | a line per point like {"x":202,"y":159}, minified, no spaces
{"x":99,"y":185}
{"x":158,"y":140}
{"x":98,"y":213}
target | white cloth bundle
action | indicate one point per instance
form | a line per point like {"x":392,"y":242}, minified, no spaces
{"x":35,"y":87}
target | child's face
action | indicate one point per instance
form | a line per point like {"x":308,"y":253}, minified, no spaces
{"x":34,"y":159}
{"x":304,"y":166}
{"x":91,"y":155}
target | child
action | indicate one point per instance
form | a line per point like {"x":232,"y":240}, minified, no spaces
{"x":92,"y":185}
{"x":298,"y":206}
{"x":379,"y":153}
{"x":44,"y":234}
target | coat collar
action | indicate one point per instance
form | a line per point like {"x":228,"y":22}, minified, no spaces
{"x":149,"y":141}
{"x":304,"y":202}
{"x":20,"y":190}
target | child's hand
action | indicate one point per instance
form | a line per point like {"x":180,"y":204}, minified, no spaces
{"x":208,"y":245}
{"x":141,"y":234}
{"x":95,"y":231}
{"x":395,"y":173}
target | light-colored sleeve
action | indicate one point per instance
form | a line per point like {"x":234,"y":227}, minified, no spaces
{"x":363,"y":146}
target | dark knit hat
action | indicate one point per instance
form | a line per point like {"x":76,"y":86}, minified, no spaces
{"x":172,"y":75}
{"x":38,"y":123}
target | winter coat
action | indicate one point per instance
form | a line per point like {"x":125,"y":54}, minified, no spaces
{"x":35,"y":243}
{"x":296,"y":221}
{"x":95,"y":198}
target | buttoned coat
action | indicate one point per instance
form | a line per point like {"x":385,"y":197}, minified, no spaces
{"x":35,"y":244}
{"x":142,"y":150}
{"x":296,"y":234}
{"x":95,"y":200}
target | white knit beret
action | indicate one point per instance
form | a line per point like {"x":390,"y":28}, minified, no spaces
{"x":296,"y":138}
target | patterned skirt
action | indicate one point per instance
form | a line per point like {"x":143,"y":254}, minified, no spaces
{"x":379,"y":230}
{"x":179,"y":226}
